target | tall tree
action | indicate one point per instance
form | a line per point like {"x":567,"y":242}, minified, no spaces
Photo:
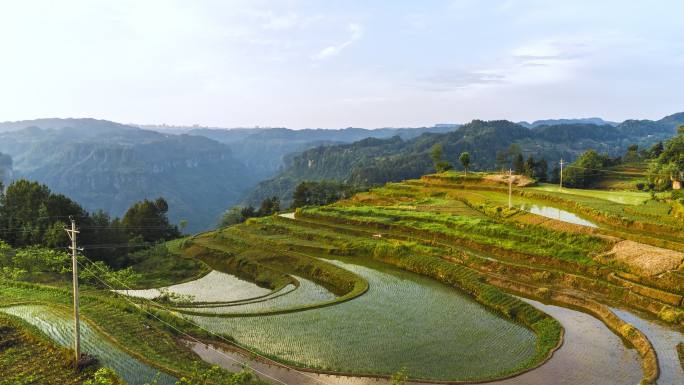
{"x":436,"y":154}
{"x":518,"y":164}
{"x":586,"y":168}
{"x":530,"y":167}
{"x":542,"y":170}
{"x":465,"y":161}
{"x":148,"y":220}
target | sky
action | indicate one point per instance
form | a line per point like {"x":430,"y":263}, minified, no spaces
{"x":335,"y":64}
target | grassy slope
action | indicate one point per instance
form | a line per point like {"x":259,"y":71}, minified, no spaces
{"x":28,"y":357}
{"x":140,"y":334}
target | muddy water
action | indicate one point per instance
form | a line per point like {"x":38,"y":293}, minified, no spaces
{"x":590,"y":355}
{"x":664,"y":341}
{"x":557,"y":214}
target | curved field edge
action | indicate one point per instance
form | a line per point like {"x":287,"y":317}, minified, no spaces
{"x":66,"y":311}
{"x":604,"y":279}
{"x":152,"y":336}
{"x":345,"y":284}
{"x":27,"y":354}
{"x":577,"y":204}
{"x":627,"y":332}
{"x":548,"y":331}
{"x":633,"y":336}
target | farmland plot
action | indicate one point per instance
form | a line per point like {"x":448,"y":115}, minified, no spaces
{"x":59,"y":327}
{"x":213,"y":287}
{"x":307,"y":293}
{"x":404,"y":320}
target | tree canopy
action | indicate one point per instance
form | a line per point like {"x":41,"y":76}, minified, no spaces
{"x":31,"y":214}
{"x":586,"y":169}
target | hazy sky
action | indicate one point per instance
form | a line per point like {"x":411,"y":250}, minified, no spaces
{"x":340,"y":63}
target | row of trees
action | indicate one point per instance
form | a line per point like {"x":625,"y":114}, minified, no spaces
{"x":239,"y":214}
{"x":31,"y":214}
{"x":307,"y":193}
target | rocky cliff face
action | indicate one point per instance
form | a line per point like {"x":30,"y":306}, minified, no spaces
{"x":198,"y":177}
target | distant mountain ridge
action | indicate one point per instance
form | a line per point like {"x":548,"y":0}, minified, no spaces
{"x":264,"y":150}
{"x":202,"y":171}
{"x":376,"y":161}
{"x":109,"y":166}
{"x":556,"y":122}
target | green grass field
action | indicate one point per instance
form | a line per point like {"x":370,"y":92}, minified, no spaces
{"x":622,"y":197}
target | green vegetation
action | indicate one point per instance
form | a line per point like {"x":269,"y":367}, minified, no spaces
{"x":436,"y":154}
{"x":160,"y":266}
{"x":669,"y":164}
{"x":198,"y":176}
{"x":586,"y":169}
{"x":491,"y":145}
{"x":239,"y":214}
{"x":623,"y":197}
{"x":147,"y":340}
{"x":353,"y":336}
{"x":464,"y":158}
{"x":321,"y":193}
{"x":27,"y":357}
{"x":30,"y":214}
{"x":528,"y":239}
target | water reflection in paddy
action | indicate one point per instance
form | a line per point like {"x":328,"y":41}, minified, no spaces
{"x":590,"y":355}
{"x":557,"y":214}
{"x":664,"y":341}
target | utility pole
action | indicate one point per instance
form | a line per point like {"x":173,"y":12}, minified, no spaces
{"x":561,"y":174}
{"x":510,"y":188}
{"x":74,"y":269}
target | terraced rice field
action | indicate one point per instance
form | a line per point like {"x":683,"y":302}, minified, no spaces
{"x":558,"y":214}
{"x":664,"y":341}
{"x":590,"y":347}
{"x":59,"y":327}
{"x":213,"y":287}
{"x":622,"y":197}
{"x":307,"y":293}
{"x":404,"y":320}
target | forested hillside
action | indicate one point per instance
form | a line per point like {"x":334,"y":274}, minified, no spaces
{"x":493,"y":144}
{"x":109,"y":166}
{"x":5,"y":167}
{"x":265,"y":150}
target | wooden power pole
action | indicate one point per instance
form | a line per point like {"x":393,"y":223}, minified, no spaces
{"x":561,"y":174}
{"x":74,"y":269}
{"x":510,"y":188}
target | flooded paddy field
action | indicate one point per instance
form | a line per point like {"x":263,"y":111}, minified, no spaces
{"x":404,"y":320}
{"x":59,"y":327}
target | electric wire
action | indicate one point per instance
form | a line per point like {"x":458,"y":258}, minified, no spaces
{"x":202,"y":328}
{"x":85,"y":267}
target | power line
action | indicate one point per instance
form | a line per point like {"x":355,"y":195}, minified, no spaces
{"x":200,"y":327}
{"x":170,"y":325}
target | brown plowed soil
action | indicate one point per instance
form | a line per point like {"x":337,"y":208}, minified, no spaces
{"x":645,"y":259}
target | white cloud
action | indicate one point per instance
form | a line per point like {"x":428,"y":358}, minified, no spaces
{"x":334,"y":50}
